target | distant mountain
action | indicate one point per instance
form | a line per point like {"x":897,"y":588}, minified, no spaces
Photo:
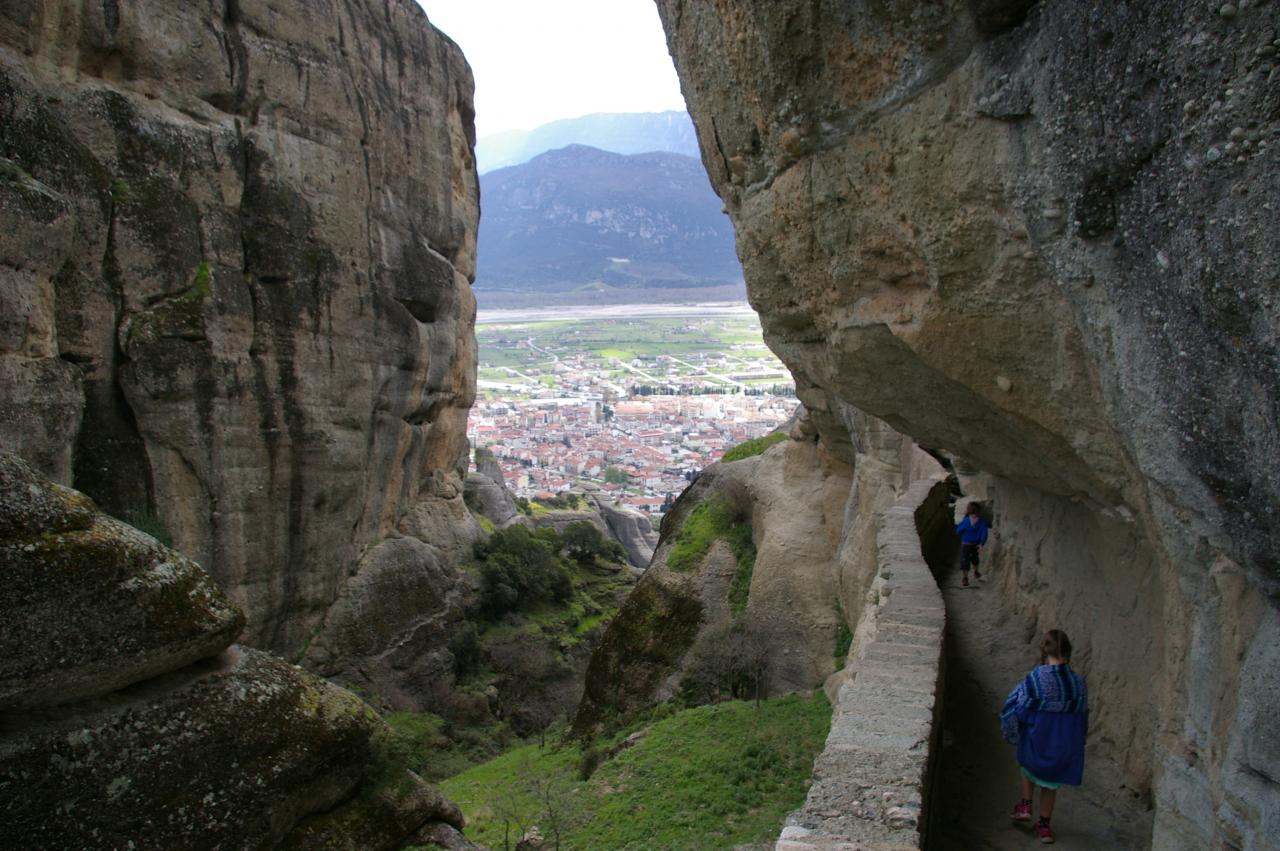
{"x":620,"y":132}
{"x":579,"y":216}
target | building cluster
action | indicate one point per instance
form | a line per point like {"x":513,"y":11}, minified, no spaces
{"x":645,"y":449}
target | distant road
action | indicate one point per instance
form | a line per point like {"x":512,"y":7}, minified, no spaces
{"x":612,"y":311}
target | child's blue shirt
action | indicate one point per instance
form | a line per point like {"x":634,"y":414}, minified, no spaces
{"x":1047,"y":717}
{"x":972,"y":533}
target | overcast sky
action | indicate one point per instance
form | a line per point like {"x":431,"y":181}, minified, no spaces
{"x":539,"y":60}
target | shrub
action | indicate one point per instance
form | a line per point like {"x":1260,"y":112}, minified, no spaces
{"x":844,"y":636}
{"x":148,"y":521}
{"x":519,"y":566}
{"x":748,"y":448}
{"x":583,"y":542}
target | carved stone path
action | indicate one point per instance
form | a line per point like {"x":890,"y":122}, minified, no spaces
{"x":988,"y":651}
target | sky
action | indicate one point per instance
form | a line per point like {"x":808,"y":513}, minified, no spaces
{"x":539,"y":60}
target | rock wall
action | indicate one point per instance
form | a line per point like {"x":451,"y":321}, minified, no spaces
{"x":234,"y":279}
{"x":1038,"y":237}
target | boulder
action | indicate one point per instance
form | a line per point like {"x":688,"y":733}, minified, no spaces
{"x":491,"y":499}
{"x":91,"y":604}
{"x":631,"y":528}
{"x":128,"y":725}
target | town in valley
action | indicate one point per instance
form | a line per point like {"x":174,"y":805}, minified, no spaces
{"x":636,"y":406}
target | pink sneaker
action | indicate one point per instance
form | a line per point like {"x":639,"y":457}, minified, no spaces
{"x":1021,"y":812}
{"x":1043,"y":832}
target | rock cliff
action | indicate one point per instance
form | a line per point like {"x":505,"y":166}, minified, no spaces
{"x":236,"y":249}
{"x":130,"y":720}
{"x":761,"y":563}
{"x":1040,"y":238}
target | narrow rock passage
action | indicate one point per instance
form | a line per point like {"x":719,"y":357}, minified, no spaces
{"x":976,"y":785}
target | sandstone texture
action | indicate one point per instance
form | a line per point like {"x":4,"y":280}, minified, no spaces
{"x":235,"y":254}
{"x":129,"y":722}
{"x":1039,"y":238}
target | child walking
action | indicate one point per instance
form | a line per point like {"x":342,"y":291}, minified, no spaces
{"x":973,"y":537}
{"x":1047,"y":717}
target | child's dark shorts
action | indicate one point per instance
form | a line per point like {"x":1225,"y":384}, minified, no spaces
{"x":968,"y":556}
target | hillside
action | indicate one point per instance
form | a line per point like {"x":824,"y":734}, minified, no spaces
{"x":620,"y":132}
{"x":580,"y":216}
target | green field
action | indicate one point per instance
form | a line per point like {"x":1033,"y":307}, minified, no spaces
{"x":597,"y":343}
{"x":710,"y":777}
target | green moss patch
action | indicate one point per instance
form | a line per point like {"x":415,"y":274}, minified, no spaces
{"x":709,"y":521}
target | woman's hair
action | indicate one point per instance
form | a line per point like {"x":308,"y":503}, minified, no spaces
{"x":973,"y":508}
{"x":1055,"y":643}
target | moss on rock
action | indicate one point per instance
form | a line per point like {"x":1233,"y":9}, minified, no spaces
{"x":91,"y":604}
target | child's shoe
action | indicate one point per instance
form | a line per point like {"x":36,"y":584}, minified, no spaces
{"x":964,"y":582}
{"x":977,"y":574}
{"x":1043,"y":832}
{"x":1022,"y":812}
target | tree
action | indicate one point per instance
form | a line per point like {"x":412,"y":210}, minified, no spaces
{"x":616,"y":475}
{"x":730,"y":662}
{"x":582,"y":541}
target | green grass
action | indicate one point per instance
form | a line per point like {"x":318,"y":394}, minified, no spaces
{"x":148,"y":521}
{"x":599,"y":341}
{"x":708,"y":521}
{"x":421,"y":742}
{"x":744,"y":551}
{"x":709,"y":777}
{"x":844,"y":636}
{"x":756,"y":446}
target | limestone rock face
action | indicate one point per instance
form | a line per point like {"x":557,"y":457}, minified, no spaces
{"x":129,"y":722}
{"x":235,"y":255}
{"x":1040,"y":238}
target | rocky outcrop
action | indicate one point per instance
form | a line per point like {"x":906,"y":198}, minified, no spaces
{"x":630,"y":528}
{"x":1037,"y":237}
{"x":129,"y":721}
{"x":236,"y":250}
{"x":491,"y":500}
{"x":790,"y":560}
{"x":390,"y":629}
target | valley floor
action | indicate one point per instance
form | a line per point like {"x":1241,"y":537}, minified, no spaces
{"x":988,"y":651}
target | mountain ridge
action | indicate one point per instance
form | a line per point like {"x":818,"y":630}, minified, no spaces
{"x":581,"y":216}
{"x":618,"y":132}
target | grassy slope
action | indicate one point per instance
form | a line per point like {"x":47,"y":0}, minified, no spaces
{"x":710,"y":777}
